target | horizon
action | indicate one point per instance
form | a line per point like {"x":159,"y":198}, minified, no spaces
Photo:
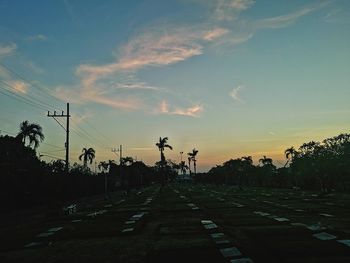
{"x":229,"y":78}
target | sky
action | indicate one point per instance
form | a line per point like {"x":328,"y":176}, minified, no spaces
{"x":230,"y":78}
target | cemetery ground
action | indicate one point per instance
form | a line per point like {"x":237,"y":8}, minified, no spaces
{"x":187,"y":223}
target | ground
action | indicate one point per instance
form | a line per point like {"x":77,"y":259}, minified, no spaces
{"x":186,"y":223}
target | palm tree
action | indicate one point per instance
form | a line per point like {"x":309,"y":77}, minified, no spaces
{"x":162,"y":144}
{"x":103,"y":166}
{"x":87,"y":155}
{"x":189,"y":164}
{"x":32,"y":133}
{"x":127,"y":160}
{"x":183,"y":168}
{"x":265,"y":161}
{"x":192,"y":155}
{"x":290,"y":154}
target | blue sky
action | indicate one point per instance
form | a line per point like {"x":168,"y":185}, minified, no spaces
{"x":228,"y":77}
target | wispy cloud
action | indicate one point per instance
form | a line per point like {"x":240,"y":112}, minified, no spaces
{"x":160,"y":46}
{"x":234,"y":94}
{"x":215,"y":33}
{"x":231,"y":9}
{"x":8,"y":49}
{"x":19,"y":86}
{"x":193,"y":111}
{"x":38,"y":37}
{"x":288,"y":19}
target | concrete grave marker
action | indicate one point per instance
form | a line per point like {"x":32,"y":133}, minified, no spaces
{"x":345,"y":242}
{"x":128,"y":230}
{"x":210,"y":226}
{"x":45,"y":234}
{"x":324,"y":236}
{"x":281,"y":219}
{"x":55,"y":229}
{"x":230,"y":252}
{"x":326,"y":215}
{"x":316,"y":227}
{"x":33,"y":244}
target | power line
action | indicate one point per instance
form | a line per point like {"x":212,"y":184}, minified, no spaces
{"x":14,"y":73}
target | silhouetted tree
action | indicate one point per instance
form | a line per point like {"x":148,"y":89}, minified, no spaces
{"x":87,"y":155}
{"x":162,"y":144}
{"x":30,"y":133}
{"x":192,"y":155}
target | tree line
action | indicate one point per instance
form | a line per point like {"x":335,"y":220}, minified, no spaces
{"x":322,"y":166}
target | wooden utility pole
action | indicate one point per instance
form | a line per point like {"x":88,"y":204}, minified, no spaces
{"x":67,"y":116}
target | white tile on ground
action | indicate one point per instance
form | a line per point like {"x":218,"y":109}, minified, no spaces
{"x":345,"y":242}
{"x":242,"y":260}
{"x":45,"y":234}
{"x":55,"y":229}
{"x":261,"y":213}
{"x":316,"y":227}
{"x":210,"y":226}
{"x":326,"y":215}
{"x":33,"y":244}
{"x":281,"y":219}
{"x":217,"y":235}
{"x":205,"y":222}
{"x":324,"y":236}
{"x":230,"y":252}
{"x":127,"y":230}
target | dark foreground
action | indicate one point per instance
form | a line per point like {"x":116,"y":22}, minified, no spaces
{"x":187,"y":223}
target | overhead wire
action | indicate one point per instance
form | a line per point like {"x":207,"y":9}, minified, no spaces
{"x":33,"y":101}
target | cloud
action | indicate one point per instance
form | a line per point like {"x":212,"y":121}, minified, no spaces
{"x":38,"y":37}
{"x":6,"y":50}
{"x":234,"y":94}
{"x":231,"y":9}
{"x":19,"y":86}
{"x":160,"y":46}
{"x":137,"y":86}
{"x":193,"y":111}
{"x":215,"y":33}
{"x":288,"y":19}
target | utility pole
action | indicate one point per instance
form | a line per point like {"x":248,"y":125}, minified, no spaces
{"x":120,"y":150}
{"x":67,"y":116}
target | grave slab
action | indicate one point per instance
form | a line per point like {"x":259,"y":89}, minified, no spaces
{"x":33,"y":244}
{"x":281,"y":219}
{"x":324,"y":236}
{"x":345,"y":242}
{"x":128,"y":230}
{"x":230,"y":252}
{"x":326,"y":215}
{"x":205,"y":222}
{"x":210,"y":226}
{"x":45,"y":234}
{"x":55,"y":229}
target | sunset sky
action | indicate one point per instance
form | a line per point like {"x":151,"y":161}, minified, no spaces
{"x":230,"y":78}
